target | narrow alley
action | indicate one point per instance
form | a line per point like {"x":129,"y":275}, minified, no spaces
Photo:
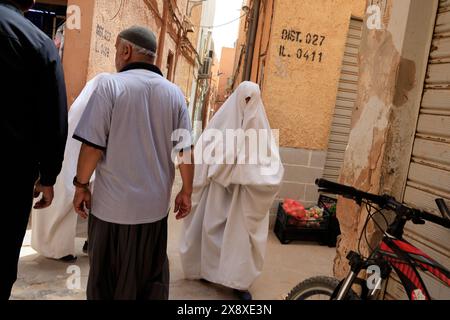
{"x":40,"y":278}
{"x":324,"y":119}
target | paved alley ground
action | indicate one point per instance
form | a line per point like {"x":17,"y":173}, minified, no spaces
{"x":285,"y":266}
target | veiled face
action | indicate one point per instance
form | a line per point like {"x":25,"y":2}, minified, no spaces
{"x":247,"y":91}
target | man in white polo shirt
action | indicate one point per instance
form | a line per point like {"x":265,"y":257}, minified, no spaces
{"x":126,"y":133}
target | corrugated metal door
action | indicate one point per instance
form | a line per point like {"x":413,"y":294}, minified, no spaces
{"x":345,"y":102}
{"x":429,"y":171}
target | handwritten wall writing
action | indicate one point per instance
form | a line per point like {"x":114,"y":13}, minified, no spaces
{"x":311,"y":49}
{"x":103,"y":41}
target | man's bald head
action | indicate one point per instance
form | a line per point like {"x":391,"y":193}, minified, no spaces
{"x":23,"y":5}
{"x":135,"y":44}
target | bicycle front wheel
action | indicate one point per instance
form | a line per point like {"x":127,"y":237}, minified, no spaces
{"x":318,"y":288}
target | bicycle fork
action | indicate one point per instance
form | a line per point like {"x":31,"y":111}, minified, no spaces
{"x":358,"y":263}
{"x":347,"y":285}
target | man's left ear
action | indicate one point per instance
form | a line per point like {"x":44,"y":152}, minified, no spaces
{"x":127,"y":51}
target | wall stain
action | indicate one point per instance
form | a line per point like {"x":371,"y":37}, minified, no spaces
{"x":406,"y":81}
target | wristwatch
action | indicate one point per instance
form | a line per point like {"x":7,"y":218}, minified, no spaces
{"x":79,"y":184}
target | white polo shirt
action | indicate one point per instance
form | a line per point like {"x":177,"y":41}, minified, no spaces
{"x":131,"y":116}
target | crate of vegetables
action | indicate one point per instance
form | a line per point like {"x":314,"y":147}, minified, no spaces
{"x":296,"y":215}
{"x":295,"y":222}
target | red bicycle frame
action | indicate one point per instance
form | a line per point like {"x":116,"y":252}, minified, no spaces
{"x":406,"y":259}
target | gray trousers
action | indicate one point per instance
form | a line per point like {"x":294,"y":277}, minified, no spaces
{"x":127,"y":262}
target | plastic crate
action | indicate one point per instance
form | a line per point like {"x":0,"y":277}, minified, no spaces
{"x":327,"y":203}
{"x":288,"y":228}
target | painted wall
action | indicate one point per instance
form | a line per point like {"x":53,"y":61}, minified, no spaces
{"x":303,"y":68}
{"x":195,"y":19}
{"x":225,"y":73}
{"x":77,"y":50}
{"x":240,"y":46}
{"x":203,"y":45}
{"x":299,"y":92}
{"x":184,"y":76}
{"x":110,"y":18}
{"x":91,"y":50}
{"x":214,"y":87}
{"x":262,"y":41}
{"x":185,"y":67}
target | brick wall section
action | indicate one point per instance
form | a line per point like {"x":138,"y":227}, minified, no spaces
{"x":302,"y":167}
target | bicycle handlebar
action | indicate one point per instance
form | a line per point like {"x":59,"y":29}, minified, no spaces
{"x":384,"y":202}
{"x":435,"y":219}
{"x":350,"y":192}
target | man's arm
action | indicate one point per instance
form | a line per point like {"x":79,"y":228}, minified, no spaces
{"x":92,"y":131}
{"x":87,"y":162}
{"x":183,"y":200}
{"x":51,"y":124}
{"x":52,"y":116}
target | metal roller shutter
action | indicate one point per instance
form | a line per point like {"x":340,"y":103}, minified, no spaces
{"x":429,"y":169}
{"x":345,"y":102}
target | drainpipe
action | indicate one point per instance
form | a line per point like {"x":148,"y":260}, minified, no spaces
{"x":251,"y":38}
{"x":162,"y":35}
{"x":178,"y":50}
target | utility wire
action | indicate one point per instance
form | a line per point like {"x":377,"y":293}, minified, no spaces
{"x":220,"y":25}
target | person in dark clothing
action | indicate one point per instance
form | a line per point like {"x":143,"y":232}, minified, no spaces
{"x":33,"y":126}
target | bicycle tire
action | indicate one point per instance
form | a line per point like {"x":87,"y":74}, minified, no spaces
{"x":318,"y":285}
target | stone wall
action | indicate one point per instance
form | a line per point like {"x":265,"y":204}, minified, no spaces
{"x":302,"y":167}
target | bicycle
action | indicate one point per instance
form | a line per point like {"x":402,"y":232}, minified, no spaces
{"x":393,"y":253}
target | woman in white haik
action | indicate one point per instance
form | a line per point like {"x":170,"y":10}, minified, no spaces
{"x":54,"y":228}
{"x":224,"y":239}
